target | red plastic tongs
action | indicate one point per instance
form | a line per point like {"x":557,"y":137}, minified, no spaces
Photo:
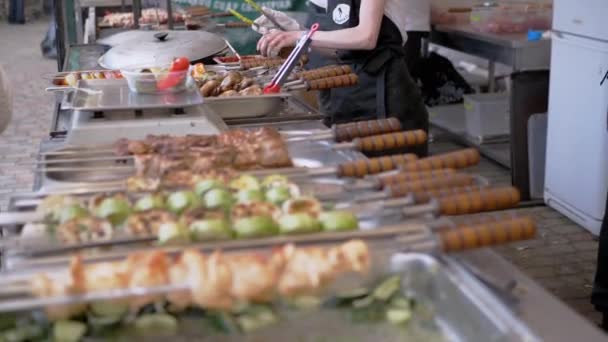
{"x":293,"y":58}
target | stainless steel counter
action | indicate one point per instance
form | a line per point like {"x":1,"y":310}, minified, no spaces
{"x":529,"y":90}
{"x":544,"y":314}
{"x":511,"y":49}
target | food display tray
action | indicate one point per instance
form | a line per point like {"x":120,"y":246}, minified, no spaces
{"x":313,"y":154}
{"x":241,"y":107}
{"x":109,"y":95}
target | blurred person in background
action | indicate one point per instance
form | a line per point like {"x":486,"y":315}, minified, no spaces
{"x":6,"y":106}
{"x":48,"y":46}
{"x":418,"y":26}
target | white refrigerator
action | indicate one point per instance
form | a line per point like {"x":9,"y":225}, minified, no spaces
{"x":576,"y":174}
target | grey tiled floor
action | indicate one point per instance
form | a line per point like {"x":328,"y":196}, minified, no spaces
{"x":561,"y":258}
{"x":21,"y":58}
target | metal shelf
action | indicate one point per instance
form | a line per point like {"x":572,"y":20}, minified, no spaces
{"x":450,"y":120}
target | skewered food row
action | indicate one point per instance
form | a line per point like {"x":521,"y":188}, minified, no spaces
{"x":263,"y":148}
{"x":244,"y":208}
{"x":157,"y":171}
{"x":215,"y":281}
{"x":72,"y":78}
{"x":234,"y":59}
{"x":148,"y":16}
{"x":382,"y":301}
{"x":238,"y":149}
{"x":152,"y":293}
{"x":268,"y":62}
{"x":213,"y":212}
{"x":165,"y":159}
{"x":166,"y":144}
{"x":233,"y":83}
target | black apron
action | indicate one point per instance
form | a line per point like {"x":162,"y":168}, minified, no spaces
{"x":385,"y":87}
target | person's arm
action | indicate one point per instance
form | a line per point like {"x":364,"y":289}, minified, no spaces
{"x":364,"y":36}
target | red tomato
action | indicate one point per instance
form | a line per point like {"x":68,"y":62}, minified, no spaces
{"x":180,"y":64}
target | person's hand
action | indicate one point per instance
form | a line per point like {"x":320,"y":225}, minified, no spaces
{"x":271,"y":43}
{"x":263,"y":26}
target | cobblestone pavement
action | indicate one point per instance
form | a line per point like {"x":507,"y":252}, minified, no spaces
{"x":21,"y":58}
{"x":561,"y":258}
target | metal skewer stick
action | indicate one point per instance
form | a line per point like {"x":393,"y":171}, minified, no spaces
{"x":338,"y":133}
{"x":420,"y":239}
{"x":319,"y":73}
{"x":68,"y":152}
{"x":341,"y":81}
{"x":57,"y":255}
{"x":420,"y":192}
{"x":451,"y":201}
{"x":50,"y":258}
{"x":393,"y":190}
{"x":401,"y":185}
{"x":78,"y":160}
{"x":434,"y":166}
{"x":375,"y":143}
{"x":118,"y":168}
{"x":61,"y":74}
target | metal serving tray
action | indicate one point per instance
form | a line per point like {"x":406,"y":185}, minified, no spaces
{"x":313,"y":154}
{"x":303,"y":155}
{"x":240,"y":107}
{"x":451,"y":305}
{"x":243,"y":107}
{"x":106,"y":95}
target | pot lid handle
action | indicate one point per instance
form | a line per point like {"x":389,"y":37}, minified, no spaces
{"x":161,"y":36}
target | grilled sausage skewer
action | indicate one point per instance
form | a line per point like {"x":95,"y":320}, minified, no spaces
{"x":341,"y":81}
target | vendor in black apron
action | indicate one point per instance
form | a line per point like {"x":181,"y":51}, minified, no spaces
{"x":361,"y":35}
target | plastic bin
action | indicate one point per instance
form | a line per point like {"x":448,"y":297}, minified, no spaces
{"x":537,"y":145}
{"x":487,"y":117}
